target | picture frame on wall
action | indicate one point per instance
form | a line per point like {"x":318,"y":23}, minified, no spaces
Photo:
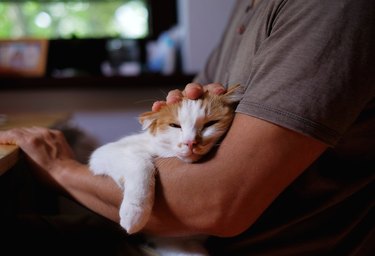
{"x":23,"y":57}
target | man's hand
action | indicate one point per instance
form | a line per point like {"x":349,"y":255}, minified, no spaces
{"x":53,"y":163}
{"x":45,"y":149}
{"x":192,"y":91}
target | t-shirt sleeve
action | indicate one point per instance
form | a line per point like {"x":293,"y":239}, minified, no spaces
{"x":314,"y":73}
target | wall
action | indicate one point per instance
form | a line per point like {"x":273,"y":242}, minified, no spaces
{"x":202,"y":23}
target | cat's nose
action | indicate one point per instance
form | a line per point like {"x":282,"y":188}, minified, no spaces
{"x":191,"y":144}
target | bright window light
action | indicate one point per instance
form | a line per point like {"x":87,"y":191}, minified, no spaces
{"x":132,"y":19}
{"x":75,"y":19}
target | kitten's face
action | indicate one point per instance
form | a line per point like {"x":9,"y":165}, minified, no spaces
{"x":190,"y":128}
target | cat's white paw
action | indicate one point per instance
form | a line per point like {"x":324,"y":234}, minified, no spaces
{"x":134,"y":217}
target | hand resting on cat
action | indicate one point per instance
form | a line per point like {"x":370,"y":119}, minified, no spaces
{"x":188,"y":129}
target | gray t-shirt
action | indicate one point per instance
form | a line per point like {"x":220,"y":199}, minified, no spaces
{"x":308,"y":66}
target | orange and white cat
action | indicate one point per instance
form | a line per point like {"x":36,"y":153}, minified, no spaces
{"x":188,"y":130}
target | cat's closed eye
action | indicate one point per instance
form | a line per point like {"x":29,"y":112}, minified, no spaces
{"x":210,"y":123}
{"x":174,"y":125}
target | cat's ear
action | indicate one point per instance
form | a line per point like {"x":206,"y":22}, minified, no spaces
{"x":148,"y":119}
{"x":234,"y":94}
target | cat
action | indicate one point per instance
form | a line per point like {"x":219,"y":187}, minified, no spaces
{"x":187,"y":130}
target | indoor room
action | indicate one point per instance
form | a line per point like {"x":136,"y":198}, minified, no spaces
{"x":187,"y":127}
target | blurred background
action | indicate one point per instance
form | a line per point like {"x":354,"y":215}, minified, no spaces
{"x":103,"y":62}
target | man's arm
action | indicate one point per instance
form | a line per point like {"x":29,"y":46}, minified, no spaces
{"x":256,"y":161}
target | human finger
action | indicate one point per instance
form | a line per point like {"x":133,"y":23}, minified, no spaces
{"x":215,"y":88}
{"x":157,"y":105}
{"x":174,"y":96}
{"x":193,"y":91}
{"x":12,"y":136}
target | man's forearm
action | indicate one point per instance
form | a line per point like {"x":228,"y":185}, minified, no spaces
{"x":98,"y":193}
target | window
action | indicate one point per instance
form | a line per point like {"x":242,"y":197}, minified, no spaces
{"x":74,"y":19}
{"x":82,"y":34}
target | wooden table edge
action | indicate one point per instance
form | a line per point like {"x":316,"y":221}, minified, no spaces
{"x":9,"y":155}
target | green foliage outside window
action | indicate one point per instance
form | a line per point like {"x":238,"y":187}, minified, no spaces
{"x":74,"y":19}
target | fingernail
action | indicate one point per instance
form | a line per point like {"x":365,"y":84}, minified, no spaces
{"x":219,"y":90}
